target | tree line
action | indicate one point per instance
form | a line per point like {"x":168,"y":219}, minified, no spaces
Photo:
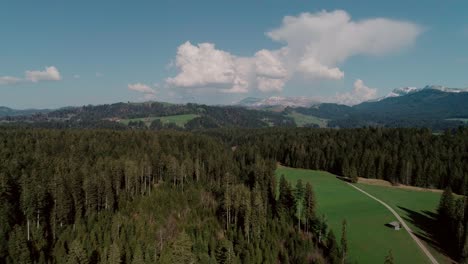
{"x":402,"y":156}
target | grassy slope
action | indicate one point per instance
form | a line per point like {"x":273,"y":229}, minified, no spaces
{"x":179,"y":120}
{"x":369,"y":240}
{"x":417,"y":208}
{"x":302,"y":120}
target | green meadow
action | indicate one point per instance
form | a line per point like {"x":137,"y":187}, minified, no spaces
{"x":417,"y":208}
{"x":369,"y":239}
{"x":302,"y":120}
{"x":179,"y":120}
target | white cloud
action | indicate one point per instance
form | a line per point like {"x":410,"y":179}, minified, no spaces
{"x":148,"y":92}
{"x":76,"y":76}
{"x":315,"y":45}
{"x":4,"y":80}
{"x":49,"y":74}
{"x":140,"y":87}
{"x":329,"y":38}
{"x":204,"y":66}
{"x":360,"y":93}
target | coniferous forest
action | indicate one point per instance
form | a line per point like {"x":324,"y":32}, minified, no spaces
{"x":141,"y":197}
{"x":210,"y":196}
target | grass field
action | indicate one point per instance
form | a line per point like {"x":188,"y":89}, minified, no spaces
{"x":179,"y":120}
{"x":417,"y":208}
{"x":302,"y":120}
{"x":369,"y":240}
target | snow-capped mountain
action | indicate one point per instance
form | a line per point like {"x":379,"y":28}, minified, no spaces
{"x":300,"y":101}
{"x":409,"y":90}
{"x":445,"y":89}
{"x":402,"y":91}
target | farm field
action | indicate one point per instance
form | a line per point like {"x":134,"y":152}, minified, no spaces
{"x":369,"y":240}
{"x":179,"y":120}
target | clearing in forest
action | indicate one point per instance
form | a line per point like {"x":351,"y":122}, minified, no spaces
{"x":179,"y":120}
{"x":369,"y":239}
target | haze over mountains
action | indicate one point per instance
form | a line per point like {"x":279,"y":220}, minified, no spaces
{"x":302,"y":101}
{"x":436,"y":107}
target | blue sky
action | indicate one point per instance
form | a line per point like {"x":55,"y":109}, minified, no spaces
{"x":112,"y":51}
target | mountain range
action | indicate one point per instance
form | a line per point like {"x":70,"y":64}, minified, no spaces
{"x":436,"y":107}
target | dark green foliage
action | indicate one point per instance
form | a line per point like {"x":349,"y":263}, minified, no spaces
{"x":333,"y":249}
{"x":101,"y":196}
{"x":452,"y":216}
{"x":389,"y":258}
{"x":344,"y":242}
{"x":402,"y":156}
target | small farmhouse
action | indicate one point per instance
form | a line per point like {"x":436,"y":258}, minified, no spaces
{"x":395,"y":225}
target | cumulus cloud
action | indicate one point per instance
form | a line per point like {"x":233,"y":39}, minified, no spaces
{"x":315,"y":45}
{"x":360,"y":93}
{"x":49,"y":74}
{"x":148,"y":92}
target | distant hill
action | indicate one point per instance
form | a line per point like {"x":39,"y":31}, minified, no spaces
{"x":5,"y":111}
{"x":300,"y":101}
{"x":422,"y":104}
{"x":434,"y":107}
{"x":110,"y":116}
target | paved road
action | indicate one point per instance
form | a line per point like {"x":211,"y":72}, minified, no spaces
{"x":410,"y":232}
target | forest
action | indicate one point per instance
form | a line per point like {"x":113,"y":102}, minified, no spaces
{"x":102,"y":196}
{"x":209,"y":196}
{"x":407,"y":156}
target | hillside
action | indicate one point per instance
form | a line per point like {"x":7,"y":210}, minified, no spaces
{"x":431,"y":106}
{"x":121,"y":115}
{"x":6,"y":111}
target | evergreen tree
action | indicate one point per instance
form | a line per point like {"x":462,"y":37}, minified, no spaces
{"x":344,"y":242}
{"x":76,"y":254}
{"x":309,"y":206}
{"x":225,"y":252}
{"x":18,"y":248}
{"x":138,"y":257}
{"x":181,"y":250}
{"x":389,"y":258}
{"x":114,"y":256}
{"x":333,"y":250}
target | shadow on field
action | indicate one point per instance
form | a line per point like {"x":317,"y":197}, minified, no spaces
{"x":429,"y":228}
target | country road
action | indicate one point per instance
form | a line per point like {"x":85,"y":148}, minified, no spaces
{"x":410,"y":232}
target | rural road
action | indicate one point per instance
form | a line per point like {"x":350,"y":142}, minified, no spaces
{"x":410,"y":232}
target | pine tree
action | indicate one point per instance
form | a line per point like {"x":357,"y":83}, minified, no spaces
{"x":333,"y":250}
{"x":299,"y":195}
{"x":76,"y":254}
{"x":181,"y":250}
{"x":138,"y":257}
{"x":225,"y":252}
{"x":18,"y":248}
{"x":114,"y":256}
{"x":309,"y":205}
{"x":344,"y":242}
{"x":389,"y":258}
